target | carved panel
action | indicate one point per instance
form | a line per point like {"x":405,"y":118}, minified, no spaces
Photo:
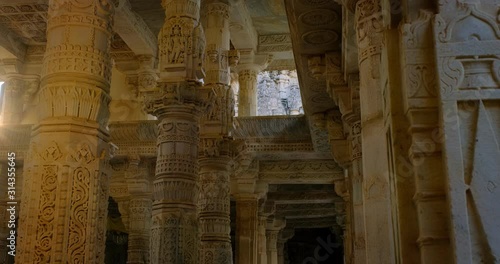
{"x":466,"y":38}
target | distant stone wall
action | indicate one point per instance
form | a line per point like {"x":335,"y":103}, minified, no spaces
{"x":278,"y":93}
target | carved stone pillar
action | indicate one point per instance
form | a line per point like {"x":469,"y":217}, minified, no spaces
{"x":247,"y":99}
{"x":214,"y":204}
{"x":174,"y":235}
{"x":177,"y":104}
{"x":63,"y":219}
{"x":355,"y":173}
{"x":214,"y":155}
{"x":376,"y":191}
{"x":139,"y":207}
{"x":246,"y":228}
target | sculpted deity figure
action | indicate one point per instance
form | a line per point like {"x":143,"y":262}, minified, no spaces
{"x":176,"y":46}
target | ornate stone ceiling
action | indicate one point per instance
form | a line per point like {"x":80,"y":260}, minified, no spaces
{"x":27,"y":21}
{"x":316,"y":27}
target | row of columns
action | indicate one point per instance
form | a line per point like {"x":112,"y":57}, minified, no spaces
{"x":68,"y":164}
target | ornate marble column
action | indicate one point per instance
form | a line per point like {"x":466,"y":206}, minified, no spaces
{"x":177,"y":104}
{"x":376,"y":188}
{"x":139,"y":207}
{"x":63,"y":219}
{"x":247,"y":97}
{"x":214,"y":156}
{"x":214,"y":207}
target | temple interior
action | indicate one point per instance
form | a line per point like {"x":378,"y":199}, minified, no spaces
{"x":250,"y":131}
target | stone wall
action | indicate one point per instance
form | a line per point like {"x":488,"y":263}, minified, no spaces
{"x":278,"y":93}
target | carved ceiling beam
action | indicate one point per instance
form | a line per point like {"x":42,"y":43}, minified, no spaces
{"x":134,"y":31}
{"x":243,"y":33}
{"x":277,"y":43}
{"x":11,"y":47}
{"x":293,"y":172}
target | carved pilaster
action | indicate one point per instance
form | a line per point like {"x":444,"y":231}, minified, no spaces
{"x":66,"y":197}
{"x":246,"y":228}
{"x":379,"y":240}
{"x":466,"y":37}
{"x":421,"y":107}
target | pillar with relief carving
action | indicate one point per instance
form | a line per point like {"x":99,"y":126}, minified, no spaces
{"x":139,"y":207}
{"x":177,"y":104}
{"x":63,"y":217}
{"x":354,"y":184}
{"x":376,"y":192}
{"x":214,"y":150}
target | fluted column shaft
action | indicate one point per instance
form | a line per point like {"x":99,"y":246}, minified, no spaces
{"x":247,"y":98}
{"x":63,"y":219}
{"x":376,"y":187}
{"x":246,"y":229}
